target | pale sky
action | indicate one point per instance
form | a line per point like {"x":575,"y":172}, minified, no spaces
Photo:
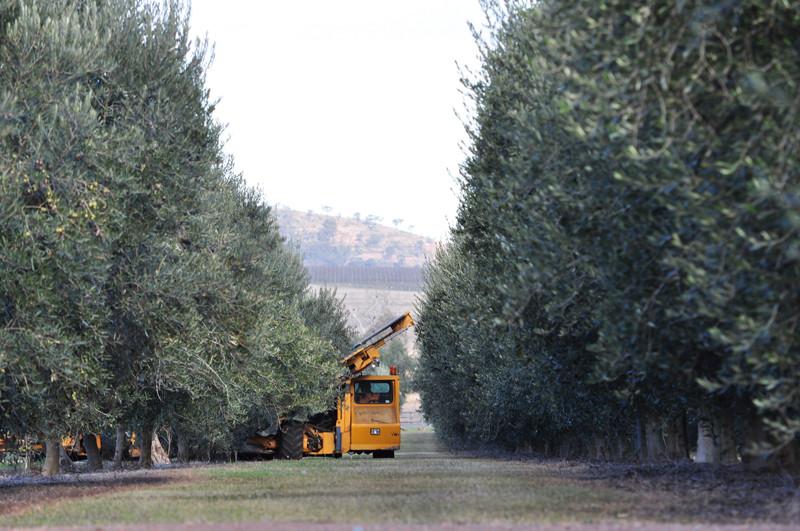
{"x":348,"y":104}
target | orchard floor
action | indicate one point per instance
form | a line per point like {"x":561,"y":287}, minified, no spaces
{"x":425,"y":487}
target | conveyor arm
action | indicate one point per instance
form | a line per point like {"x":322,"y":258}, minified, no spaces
{"x":368,"y":350}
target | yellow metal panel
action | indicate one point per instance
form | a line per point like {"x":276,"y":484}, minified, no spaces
{"x":375,"y":414}
{"x":388,"y":437}
{"x":385,"y":418}
{"x":344,"y":416}
{"x":328,"y":444}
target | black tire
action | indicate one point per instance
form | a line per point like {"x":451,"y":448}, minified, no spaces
{"x":383,"y":454}
{"x":290,"y":441}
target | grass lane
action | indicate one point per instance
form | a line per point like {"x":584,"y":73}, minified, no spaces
{"x":423,"y":485}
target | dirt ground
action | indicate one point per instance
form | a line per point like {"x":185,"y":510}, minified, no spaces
{"x":724,"y":493}
{"x":305,"y":526}
{"x":426,"y":487}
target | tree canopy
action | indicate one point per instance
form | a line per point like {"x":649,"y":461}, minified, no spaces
{"x":623,"y":271}
{"x":142,"y":282}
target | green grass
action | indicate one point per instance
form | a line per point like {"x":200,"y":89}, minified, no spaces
{"x":423,"y":485}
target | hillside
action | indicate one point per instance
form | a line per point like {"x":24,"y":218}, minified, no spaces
{"x":376,"y":269}
{"x":331,"y":241}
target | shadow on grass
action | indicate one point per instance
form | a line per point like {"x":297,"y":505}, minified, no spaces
{"x":20,"y":493}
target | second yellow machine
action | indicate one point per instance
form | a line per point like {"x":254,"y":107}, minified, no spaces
{"x":367,"y":415}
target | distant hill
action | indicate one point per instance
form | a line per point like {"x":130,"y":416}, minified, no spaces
{"x":337,"y":242}
{"x":375,"y":268}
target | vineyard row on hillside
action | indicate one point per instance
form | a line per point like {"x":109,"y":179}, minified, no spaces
{"x":392,"y":278}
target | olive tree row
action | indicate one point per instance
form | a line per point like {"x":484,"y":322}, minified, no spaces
{"x":622,"y":275}
{"x":143,"y":284}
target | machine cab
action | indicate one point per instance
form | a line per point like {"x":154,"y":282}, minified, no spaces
{"x":375,"y":418}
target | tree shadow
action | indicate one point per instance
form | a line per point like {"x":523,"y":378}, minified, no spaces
{"x":22,"y":492}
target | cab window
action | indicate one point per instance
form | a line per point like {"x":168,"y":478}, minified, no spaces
{"x":373,"y":392}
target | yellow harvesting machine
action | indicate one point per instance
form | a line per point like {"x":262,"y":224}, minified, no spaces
{"x":367,"y":414}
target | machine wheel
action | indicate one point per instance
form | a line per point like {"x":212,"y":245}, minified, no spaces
{"x":290,"y":441}
{"x":383,"y":454}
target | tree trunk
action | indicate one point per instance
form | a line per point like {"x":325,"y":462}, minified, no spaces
{"x":623,"y":447}
{"x":707,"y":439}
{"x":52,"y":460}
{"x":119,"y":447}
{"x":728,"y":453}
{"x":106,"y":448}
{"x":638,"y":439}
{"x":93,"y":460}
{"x":183,"y":448}
{"x":677,"y":441}
{"x":753,"y":454}
{"x":564,"y":449}
{"x":26,"y":444}
{"x":157,"y":454}
{"x":67,"y":465}
{"x":169,"y":442}
{"x":786,"y":458}
{"x":654,"y":440}
{"x":146,"y":447}
{"x":601,"y":452}
{"x":794,"y":449}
